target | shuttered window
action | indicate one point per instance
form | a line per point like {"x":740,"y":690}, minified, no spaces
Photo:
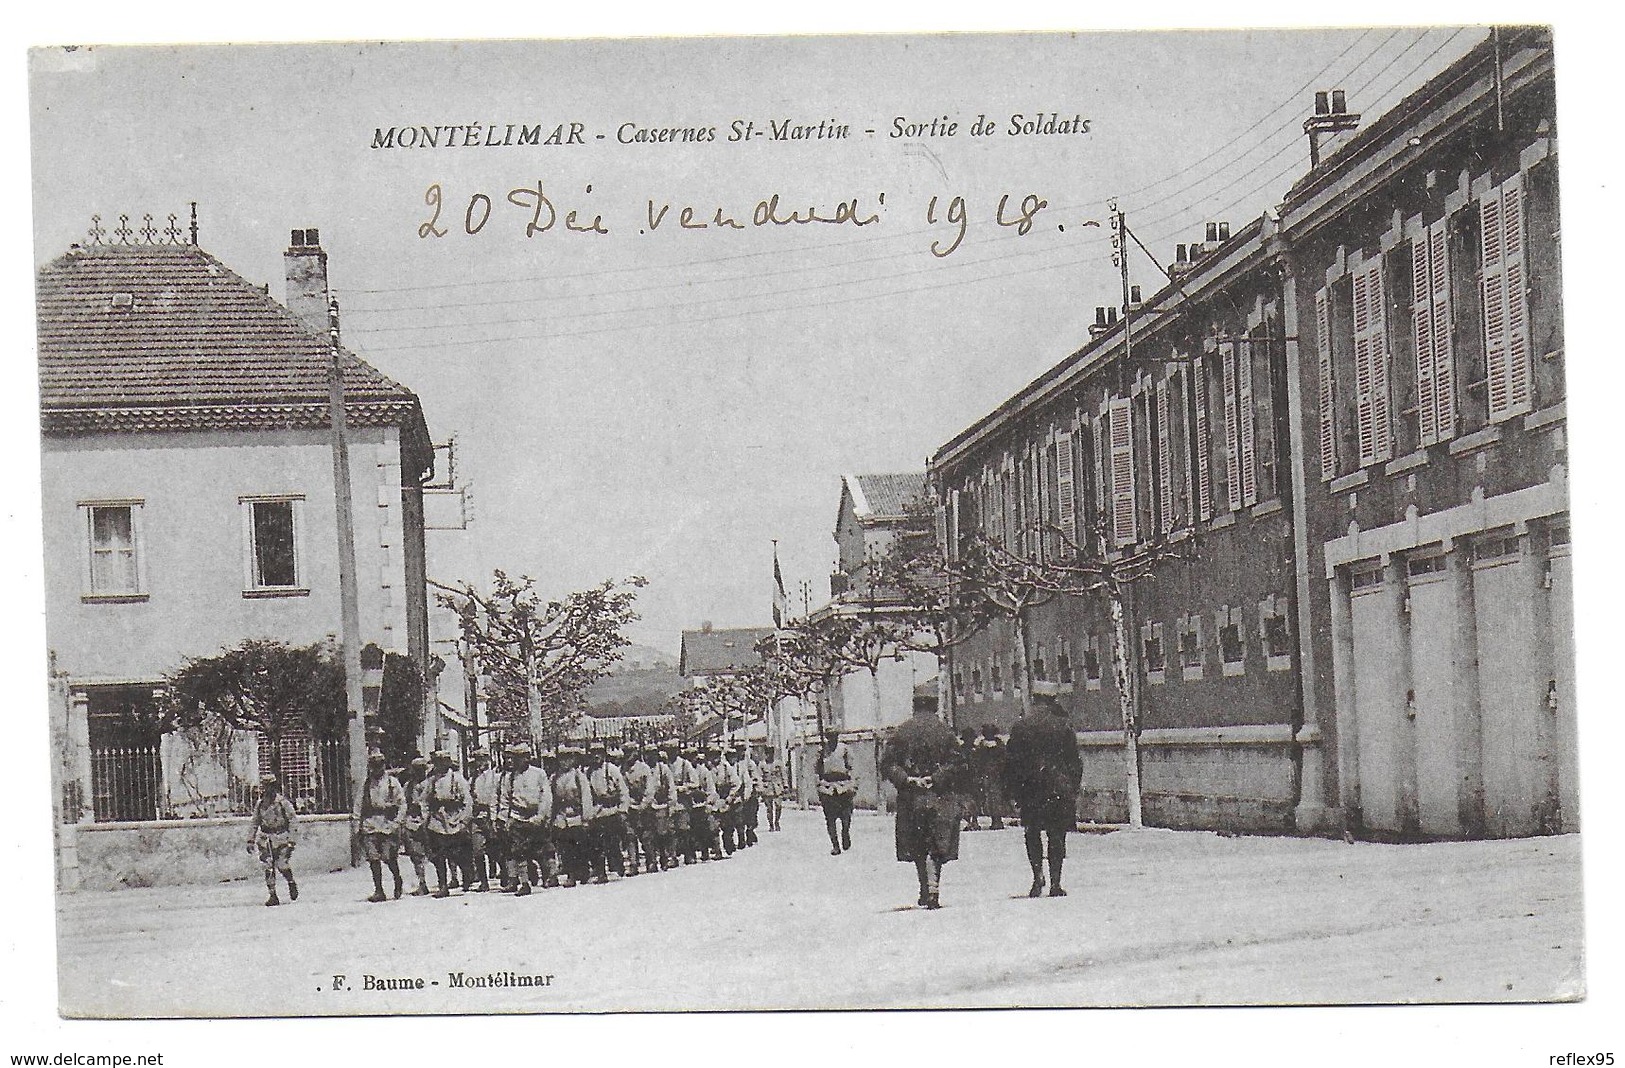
{"x":1125,"y":525}
{"x":1204,"y":478}
{"x":1371,"y":365}
{"x":1066,"y":490}
{"x":1328,"y":410}
{"x":1232,"y":444}
{"x":1165,"y":462}
{"x":1102,"y":492}
{"x":1506,"y":314}
{"x":1431,"y":325}
{"x":1247,"y":426}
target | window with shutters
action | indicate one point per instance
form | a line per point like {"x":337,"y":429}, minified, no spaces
{"x":1240,"y":442}
{"x":1204,"y":447}
{"x":1433,"y":335}
{"x":1545,"y":289}
{"x":1063,"y":661}
{"x":1097,"y":427}
{"x":1066,"y":489}
{"x":1505,"y":308}
{"x":1268,"y":386}
{"x":1165,"y":460}
{"x":115,"y":568}
{"x":1192,"y":650}
{"x":1325,"y":377}
{"x":1125,"y":521}
{"x":1373,"y":426}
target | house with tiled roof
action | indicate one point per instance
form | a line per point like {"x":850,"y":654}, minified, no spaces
{"x":188,"y":482}
{"x":873,"y":510}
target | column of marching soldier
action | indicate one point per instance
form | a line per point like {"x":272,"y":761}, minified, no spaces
{"x":577,"y":816}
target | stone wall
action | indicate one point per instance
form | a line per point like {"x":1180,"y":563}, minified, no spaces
{"x":116,"y":856}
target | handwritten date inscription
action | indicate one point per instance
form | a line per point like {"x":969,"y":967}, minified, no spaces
{"x":537,"y":212}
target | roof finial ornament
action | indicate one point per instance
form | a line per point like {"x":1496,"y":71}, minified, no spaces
{"x":97,"y":232}
{"x":122,"y":231}
{"x":149,"y":232}
{"x":194,"y":222}
{"x":173,"y":230}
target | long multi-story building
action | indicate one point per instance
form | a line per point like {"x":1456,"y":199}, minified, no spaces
{"x":1334,"y":445}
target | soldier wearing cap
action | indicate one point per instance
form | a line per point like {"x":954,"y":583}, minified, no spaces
{"x":1043,"y":774}
{"x":670,"y":817}
{"x":607,"y":827}
{"x":640,"y":780}
{"x":446,"y":810}
{"x":383,"y":808}
{"x":527,"y":805}
{"x":573,"y":816}
{"x":708,"y":830}
{"x":482,"y":794}
{"x":730,"y":799}
{"x":416,"y":781}
{"x":775,"y":787}
{"x":271,"y":832}
{"x":922,"y":759}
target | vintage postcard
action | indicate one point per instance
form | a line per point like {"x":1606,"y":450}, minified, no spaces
{"x":1073,"y":519}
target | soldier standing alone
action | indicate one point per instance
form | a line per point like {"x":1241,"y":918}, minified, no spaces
{"x":1043,"y":773}
{"x":271,"y":832}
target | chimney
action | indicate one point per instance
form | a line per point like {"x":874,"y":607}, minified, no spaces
{"x":1134,"y":300}
{"x":1105,"y":320}
{"x":306,"y":266}
{"x":1331,"y":123}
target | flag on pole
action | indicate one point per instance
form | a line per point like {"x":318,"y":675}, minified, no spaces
{"x":781,"y":600}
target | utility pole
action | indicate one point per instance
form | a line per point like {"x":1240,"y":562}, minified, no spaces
{"x":1126,"y":666}
{"x":349,"y":596}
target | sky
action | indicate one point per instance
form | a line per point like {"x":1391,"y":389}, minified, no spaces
{"x":666,"y":401}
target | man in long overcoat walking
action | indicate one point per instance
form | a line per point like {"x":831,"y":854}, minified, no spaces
{"x":1043,"y":774}
{"x":922,"y":761}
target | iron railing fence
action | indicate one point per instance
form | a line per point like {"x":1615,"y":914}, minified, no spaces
{"x":173,"y":779}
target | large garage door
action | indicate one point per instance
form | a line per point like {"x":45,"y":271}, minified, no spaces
{"x":1378,"y":720}
{"x":1512,"y":691}
{"x":1433,"y":673}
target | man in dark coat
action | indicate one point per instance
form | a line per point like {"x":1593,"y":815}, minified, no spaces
{"x":1042,"y":775}
{"x":922,"y":761}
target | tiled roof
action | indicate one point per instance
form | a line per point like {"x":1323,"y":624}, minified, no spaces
{"x":164,"y":326}
{"x":887,"y":496}
{"x":712,"y":652}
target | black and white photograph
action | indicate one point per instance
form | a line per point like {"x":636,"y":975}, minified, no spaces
{"x":752,"y":523}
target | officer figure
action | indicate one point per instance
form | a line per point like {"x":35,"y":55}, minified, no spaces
{"x":271,"y":832}
{"x":446,"y":810}
{"x":775,"y":787}
{"x":383,"y":808}
{"x":922,"y":760}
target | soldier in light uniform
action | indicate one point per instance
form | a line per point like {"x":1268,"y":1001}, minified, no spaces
{"x":608,"y":826}
{"x":640,"y":780}
{"x":688,"y":813}
{"x":730,"y":798}
{"x":482,"y":845}
{"x":383,"y":808}
{"x":665,"y":805}
{"x":775,"y":788}
{"x":527,"y":805}
{"x":573,"y":816}
{"x":271,"y":833}
{"x":446,"y":808}
{"x":412,"y":833}
{"x":707,"y":831}
{"x":547,"y":861}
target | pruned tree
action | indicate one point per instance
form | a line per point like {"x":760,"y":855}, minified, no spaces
{"x":806,"y":657}
{"x":539,"y":654}
{"x":269,"y":687}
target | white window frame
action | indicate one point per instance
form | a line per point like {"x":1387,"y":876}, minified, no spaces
{"x":1190,"y":672}
{"x":251,"y":587}
{"x":1152,"y":632}
{"x":87,"y":519}
{"x":1274,"y":607}
{"x":1225,"y":617}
